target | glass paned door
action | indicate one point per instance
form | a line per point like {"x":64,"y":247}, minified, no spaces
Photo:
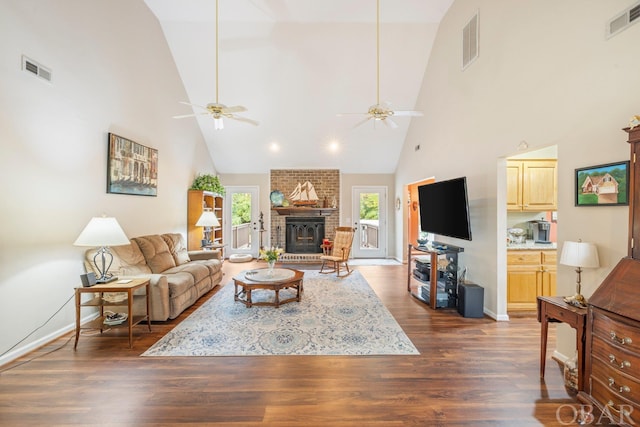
{"x":369,"y":208}
{"x":242,"y":214}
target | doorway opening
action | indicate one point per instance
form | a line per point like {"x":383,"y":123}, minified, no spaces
{"x":412,"y":214}
{"x":530,"y":230}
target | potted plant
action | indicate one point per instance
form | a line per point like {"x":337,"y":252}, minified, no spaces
{"x":208,"y":182}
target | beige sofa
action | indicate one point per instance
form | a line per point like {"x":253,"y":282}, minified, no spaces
{"x":178,"y":277}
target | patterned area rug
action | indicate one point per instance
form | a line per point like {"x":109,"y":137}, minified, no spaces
{"x":335,"y":317}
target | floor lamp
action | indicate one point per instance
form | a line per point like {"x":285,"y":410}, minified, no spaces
{"x":102,"y":232}
{"x":580,"y":255}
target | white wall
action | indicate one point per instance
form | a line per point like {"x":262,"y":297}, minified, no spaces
{"x":112,"y":72}
{"x":546,"y":75}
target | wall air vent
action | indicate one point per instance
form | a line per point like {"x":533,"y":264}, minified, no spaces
{"x":33,"y":67}
{"x":623,"y":20}
{"x":470,"y":42}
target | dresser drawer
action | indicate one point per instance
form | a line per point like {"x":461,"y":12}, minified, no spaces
{"x":615,"y":357}
{"x":623,"y":385}
{"x":621,"y":334}
{"x":616,"y":407}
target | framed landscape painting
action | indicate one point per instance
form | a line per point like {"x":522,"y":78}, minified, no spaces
{"x":603,"y":185}
{"x":132,"y":168}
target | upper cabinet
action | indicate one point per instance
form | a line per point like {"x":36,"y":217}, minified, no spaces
{"x":532,"y":185}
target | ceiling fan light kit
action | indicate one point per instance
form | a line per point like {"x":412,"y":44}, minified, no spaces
{"x":216,"y":110}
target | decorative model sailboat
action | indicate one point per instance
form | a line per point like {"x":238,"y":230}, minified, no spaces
{"x":304,"y":195}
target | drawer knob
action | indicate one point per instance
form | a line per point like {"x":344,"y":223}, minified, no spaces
{"x":622,"y":365}
{"x":619,"y":340}
{"x":621,"y":389}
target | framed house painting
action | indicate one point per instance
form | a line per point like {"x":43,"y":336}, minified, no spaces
{"x":603,"y":185}
{"x":132,"y":168}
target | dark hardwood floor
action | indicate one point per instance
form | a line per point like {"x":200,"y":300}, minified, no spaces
{"x":473,"y":372}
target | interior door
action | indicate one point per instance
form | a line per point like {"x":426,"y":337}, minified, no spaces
{"x":370,"y":220}
{"x":241,"y":220}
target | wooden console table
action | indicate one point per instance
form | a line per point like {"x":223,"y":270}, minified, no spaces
{"x":554,"y":309}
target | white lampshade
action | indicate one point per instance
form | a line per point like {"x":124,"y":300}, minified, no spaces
{"x":580,"y":254}
{"x":102,"y":231}
{"x":208,"y":219}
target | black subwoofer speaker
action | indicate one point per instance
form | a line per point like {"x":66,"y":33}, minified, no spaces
{"x":470,"y":300}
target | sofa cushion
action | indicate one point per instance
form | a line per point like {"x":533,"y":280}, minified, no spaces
{"x":213,"y":265}
{"x":198,"y":271}
{"x":179,"y":283}
{"x":156,"y":252}
{"x":177,"y":247}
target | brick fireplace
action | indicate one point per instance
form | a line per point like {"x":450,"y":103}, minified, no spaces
{"x":327,"y":185}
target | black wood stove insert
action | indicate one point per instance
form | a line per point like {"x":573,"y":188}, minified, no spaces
{"x":304,"y":235}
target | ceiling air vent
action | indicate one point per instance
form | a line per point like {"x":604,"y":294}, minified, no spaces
{"x":31,"y":66}
{"x":623,"y":20}
{"x":470,"y":42}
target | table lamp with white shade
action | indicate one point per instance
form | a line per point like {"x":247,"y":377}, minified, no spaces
{"x":207,"y":220}
{"x":102,"y":232}
{"x":580,"y":255}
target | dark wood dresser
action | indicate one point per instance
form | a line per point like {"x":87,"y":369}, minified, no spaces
{"x":612,"y":347}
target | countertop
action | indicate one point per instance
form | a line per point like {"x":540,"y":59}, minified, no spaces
{"x":531,"y":246}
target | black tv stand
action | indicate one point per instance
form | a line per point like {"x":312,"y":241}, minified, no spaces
{"x":447,"y":276}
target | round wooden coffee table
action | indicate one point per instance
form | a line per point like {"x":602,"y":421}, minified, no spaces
{"x":262,"y":278}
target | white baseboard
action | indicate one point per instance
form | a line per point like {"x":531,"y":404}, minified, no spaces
{"x":21,"y":351}
{"x":494,"y":316}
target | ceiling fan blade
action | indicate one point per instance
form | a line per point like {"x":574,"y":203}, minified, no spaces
{"x":244,"y":119}
{"x":192,"y":105}
{"x":183,"y":116}
{"x":234,"y":109}
{"x":362,"y":122}
{"x":351,"y":114}
{"x":408,"y":113}
{"x":387,"y":121}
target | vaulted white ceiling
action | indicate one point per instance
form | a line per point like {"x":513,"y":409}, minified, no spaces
{"x":296,"y":64}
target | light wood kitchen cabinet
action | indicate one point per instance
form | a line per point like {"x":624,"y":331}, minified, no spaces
{"x":530,"y":273}
{"x":532,"y":185}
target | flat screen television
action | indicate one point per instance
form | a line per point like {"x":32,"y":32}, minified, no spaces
{"x":444,"y":208}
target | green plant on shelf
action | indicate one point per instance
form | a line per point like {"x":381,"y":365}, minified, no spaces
{"x":208,"y":182}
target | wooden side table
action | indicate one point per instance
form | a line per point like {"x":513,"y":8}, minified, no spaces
{"x":216,"y":246}
{"x":99,"y":301}
{"x":327,"y":247}
{"x":554,"y":309}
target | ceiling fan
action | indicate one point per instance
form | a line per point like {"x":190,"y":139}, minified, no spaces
{"x":381,"y":112}
{"x":215,"y":109}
